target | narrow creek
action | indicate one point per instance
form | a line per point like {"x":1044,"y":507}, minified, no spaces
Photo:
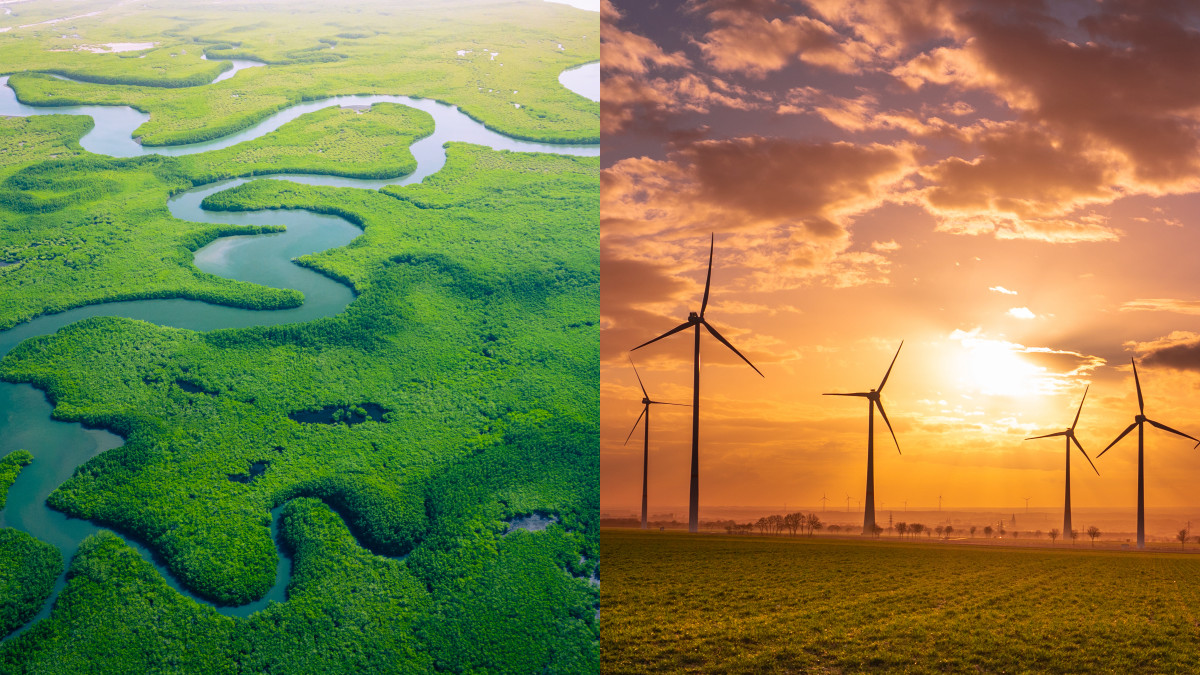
{"x":59,"y":447}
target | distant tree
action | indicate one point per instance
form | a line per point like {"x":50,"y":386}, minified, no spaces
{"x":814,"y":523}
{"x":777,"y":524}
{"x":1093,"y":532}
{"x":972,"y":531}
{"x":835,"y":528}
{"x":762,"y":525}
{"x":901,"y":528}
{"x":940,"y":529}
{"x":1074,"y":536}
{"x":792,"y":521}
{"x":1182,"y":537}
{"x":949,"y":531}
{"x":878,"y":530}
{"x":915,"y":528}
{"x":987,"y":530}
{"x":1038,"y":534}
{"x":1053,"y":535}
{"x":1016,"y":534}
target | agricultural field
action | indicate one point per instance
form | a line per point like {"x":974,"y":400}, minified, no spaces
{"x":674,"y":602}
{"x":379,"y":463}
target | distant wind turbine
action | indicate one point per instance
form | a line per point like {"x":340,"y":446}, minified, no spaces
{"x":698,"y":320}
{"x":1138,"y":421}
{"x":873,"y":402}
{"x":646,"y":403}
{"x":824,"y":499}
{"x":1069,"y":434}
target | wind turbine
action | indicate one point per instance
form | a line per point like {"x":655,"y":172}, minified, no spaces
{"x":646,"y":403}
{"x":698,"y":320}
{"x":1138,"y":421}
{"x":824,"y":499}
{"x":1069,"y":434}
{"x":873,"y":401}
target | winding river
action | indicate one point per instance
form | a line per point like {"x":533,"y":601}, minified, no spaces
{"x":59,"y":447}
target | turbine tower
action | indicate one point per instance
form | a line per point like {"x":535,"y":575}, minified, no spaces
{"x":698,"y":320}
{"x":873,"y":402}
{"x":1138,"y":421}
{"x":646,"y":403}
{"x":1069,"y":434}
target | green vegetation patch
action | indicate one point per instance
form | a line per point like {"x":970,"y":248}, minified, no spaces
{"x":28,"y":570}
{"x":498,"y":61}
{"x":10,"y":466}
{"x":685,"y":603}
{"x":83,"y":230}
{"x":487,"y":365}
{"x":30,"y":139}
{"x":352,"y":142}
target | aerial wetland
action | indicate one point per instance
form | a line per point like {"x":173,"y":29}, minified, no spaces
{"x":317,"y":410}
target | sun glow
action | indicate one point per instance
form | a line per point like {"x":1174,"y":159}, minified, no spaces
{"x":995,"y":367}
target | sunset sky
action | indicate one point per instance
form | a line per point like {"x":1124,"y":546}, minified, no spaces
{"x":1010,"y":187}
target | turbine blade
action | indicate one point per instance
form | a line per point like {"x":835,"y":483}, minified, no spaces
{"x":889,"y":370}
{"x":1177,"y":433}
{"x":726,"y":343}
{"x":708,"y":281}
{"x":889,"y":425}
{"x":639,"y":377}
{"x":682,"y":405}
{"x":1085,"y":391}
{"x":861,"y":393}
{"x":1137,"y":383}
{"x":682,"y":326}
{"x":1085,"y":455}
{"x":639,"y":419}
{"x":1123,"y":435}
{"x":1057,"y":433}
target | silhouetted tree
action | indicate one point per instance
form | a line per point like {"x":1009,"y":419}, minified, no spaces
{"x":915,"y":529}
{"x":814,"y":523}
{"x":940,"y":529}
{"x":949,"y":531}
{"x":776,"y":523}
{"x":972,"y":531}
{"x":878,"y":530}
{"x":835,"y":528}
{"x":1016,"y":534}
{"x":1038,"y":534}
{"x":793,"y":521}
{"x":1074,"y":536}
{"x":1182,"y":537}
{"x":901,"y":528}
{"x":1053,"y":534}
{"x":1093,"y":532}
{"x":762,"y":525}
{"x":987,"y":531}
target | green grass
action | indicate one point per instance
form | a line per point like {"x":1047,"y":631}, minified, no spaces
{"x":718,"y":604}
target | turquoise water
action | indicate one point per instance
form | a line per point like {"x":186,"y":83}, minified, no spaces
{"x":59,"y":447}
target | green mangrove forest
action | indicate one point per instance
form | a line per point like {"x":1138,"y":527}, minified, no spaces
{"x":350,"y":479}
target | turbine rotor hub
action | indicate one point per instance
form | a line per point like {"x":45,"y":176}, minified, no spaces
{"x":646,"y":401}
{"x":693,"y":317}
{"x":1139,"y":418}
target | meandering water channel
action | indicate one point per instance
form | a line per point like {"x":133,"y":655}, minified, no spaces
{"x":59,"y":447}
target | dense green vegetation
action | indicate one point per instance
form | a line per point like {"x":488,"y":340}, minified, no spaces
{"x":28,"y":567}
{"x":718,"y":604}
{"x":386,"y":48}
{"x":346,"y":142}
{"x":82,"y":230}
{"x":28,"y":570}
{"x":486,"y":364}
{"x":11,"y":465}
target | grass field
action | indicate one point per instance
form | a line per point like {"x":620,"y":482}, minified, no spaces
{"x":674,"y":602}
